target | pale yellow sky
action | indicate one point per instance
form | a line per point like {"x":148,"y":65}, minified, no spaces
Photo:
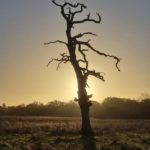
{"x":26,"y":25}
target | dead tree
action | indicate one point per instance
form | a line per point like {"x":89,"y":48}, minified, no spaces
{"x":75,"y":45}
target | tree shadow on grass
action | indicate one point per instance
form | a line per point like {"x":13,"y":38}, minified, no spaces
{"x":88,"y":143}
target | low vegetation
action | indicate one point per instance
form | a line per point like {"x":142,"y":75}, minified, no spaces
{"x":62,"y":133}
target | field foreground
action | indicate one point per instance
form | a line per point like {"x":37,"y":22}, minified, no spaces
{"x":53,"y":133}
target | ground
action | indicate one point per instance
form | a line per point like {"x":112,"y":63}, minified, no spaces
{"x":53,"y":133}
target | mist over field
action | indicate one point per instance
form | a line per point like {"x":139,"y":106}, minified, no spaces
{"x":110,"y":108}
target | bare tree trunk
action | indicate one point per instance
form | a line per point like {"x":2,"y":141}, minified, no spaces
{"x":84,"y":107}
{"x":86,"y":125}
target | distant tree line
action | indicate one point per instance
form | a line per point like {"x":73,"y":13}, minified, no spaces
{"x":111,"y":107}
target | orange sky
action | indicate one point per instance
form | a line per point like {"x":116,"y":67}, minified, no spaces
{"x":26,"y":25}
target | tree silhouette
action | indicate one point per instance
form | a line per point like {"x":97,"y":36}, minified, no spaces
{"x":75,"y":45}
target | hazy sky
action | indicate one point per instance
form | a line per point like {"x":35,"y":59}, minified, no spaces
{"x":26,"y":24}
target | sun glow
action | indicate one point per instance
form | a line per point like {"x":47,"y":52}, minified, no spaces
{"x":91,"y":88}
{"x":72,"y":89}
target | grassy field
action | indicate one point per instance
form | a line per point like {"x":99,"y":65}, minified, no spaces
{"x":54,"y":133}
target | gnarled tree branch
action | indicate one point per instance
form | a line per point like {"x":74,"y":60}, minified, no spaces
{"x":53,"y":42}
{"x":82,"y":34}
{"x":95,"y":74}
{"x":88,"y":19}
{"x":82,"y":6}
{"x":53,"y":1}
{"x":70,"y":16}
{"x":64,"y":59}
{"x":84,"y":56}
{"x":62,"y":9}
{"x":100,"y":53}
{"x":81,"y":9}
